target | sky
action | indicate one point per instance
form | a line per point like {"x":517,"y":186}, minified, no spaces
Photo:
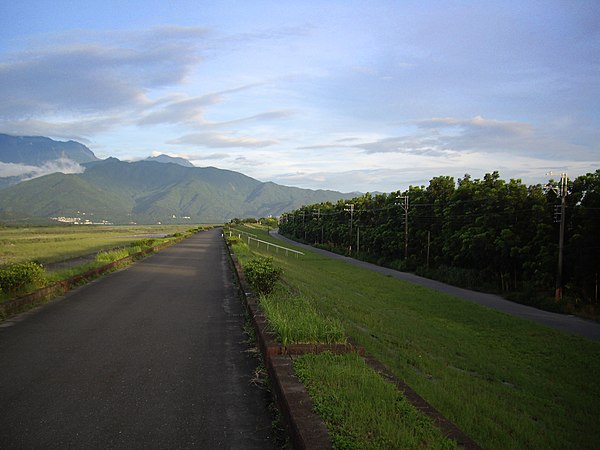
{"x":354,"y":96}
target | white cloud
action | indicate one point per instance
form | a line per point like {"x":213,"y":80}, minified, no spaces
{"x":446,"y":137}
{"x":190,"y":110}
{"x":404,"y":170}
{"x":215,"y":140}
{"x":71,"y":129}
{"x":15,"y":170}
{"x":479,"y":125}
{"x":209,"y":156}
{"x":27,"y":172}
{"x":492,"y":136}
{"x":91,"y":77}
{"x":179,"y":109}
{"x":414,"y":145}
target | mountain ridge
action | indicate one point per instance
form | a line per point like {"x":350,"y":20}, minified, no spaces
{"x":144,"y":191}
{"x":36,"y":150}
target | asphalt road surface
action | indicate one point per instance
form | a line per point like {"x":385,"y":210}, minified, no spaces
{"x":153,"y":356}
{"x":566,"y":323}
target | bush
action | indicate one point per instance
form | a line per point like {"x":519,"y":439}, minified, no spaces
{"x":17,"y":276}
{"x":262,"y":274}
{"x":233,"y":240}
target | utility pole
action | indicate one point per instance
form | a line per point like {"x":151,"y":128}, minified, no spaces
{"x":350,"y":208}
{"x":303,"y":226}
{"x":404,"y":206}
{"x":428,"y":244}
{"x":560,"y":191}
{"x":318,"y":211}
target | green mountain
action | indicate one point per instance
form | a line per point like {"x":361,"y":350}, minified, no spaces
{"x":150,"y":192}
{"x":37,"y":150}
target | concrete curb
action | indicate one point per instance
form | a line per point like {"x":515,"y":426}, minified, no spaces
{"x":305,"y":428}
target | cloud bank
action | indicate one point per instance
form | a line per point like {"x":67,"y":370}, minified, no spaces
{"x":26,"y":172}
{"x":90,"y":77}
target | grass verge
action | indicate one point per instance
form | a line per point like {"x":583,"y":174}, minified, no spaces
{"x":295,"y":320}
{"x":292,"y":317}
{"x":506,"y":382}
{"x":361,"y":410}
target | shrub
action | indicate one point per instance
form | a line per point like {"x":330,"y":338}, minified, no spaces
{"x":262,"y":274}
{"x":17,"y":276}
{"x":233,"y":240}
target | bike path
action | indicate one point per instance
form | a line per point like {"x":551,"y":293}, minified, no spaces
{"x":567,"y":323}
{"x":152,"y":356}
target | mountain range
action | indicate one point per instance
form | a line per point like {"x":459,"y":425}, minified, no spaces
{"x":160,"y":189}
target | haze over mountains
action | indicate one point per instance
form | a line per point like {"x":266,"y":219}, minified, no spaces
{"x":43,"y":178}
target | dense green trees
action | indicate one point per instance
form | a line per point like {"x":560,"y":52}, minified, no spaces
{"x":481,"y":233}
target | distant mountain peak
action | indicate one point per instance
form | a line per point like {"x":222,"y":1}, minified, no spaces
{"x":170,"y":159}
{"x":38,"y":150}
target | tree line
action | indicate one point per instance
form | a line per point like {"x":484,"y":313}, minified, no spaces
{"x":486,"y":234}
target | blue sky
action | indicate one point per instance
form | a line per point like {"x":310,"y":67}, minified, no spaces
{"x":345,"y":95}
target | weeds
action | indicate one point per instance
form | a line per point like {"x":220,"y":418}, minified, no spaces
{"x":296,"y":321}
{"x":111,"y":255}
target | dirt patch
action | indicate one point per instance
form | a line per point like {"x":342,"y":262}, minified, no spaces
{"x":70,"y":263}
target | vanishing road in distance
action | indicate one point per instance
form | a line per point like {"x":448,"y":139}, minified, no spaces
{"x":153,"y":356}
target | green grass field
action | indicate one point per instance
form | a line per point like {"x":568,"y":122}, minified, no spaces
{"x":361,"y":410}
{"x":506,"y":382}
{"x":47,"y":244}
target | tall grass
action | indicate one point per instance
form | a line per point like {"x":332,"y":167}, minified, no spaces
{"x":507,"y":382}
{"x":295,"y":320}
{"x":112,"y":255}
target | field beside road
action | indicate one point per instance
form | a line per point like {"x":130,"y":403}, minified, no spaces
{"x":48,"y":244}
{"x":506,"y":382}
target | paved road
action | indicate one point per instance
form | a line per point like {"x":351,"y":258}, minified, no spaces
{"x":153,"y":356}
{"x":569,"y":324}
